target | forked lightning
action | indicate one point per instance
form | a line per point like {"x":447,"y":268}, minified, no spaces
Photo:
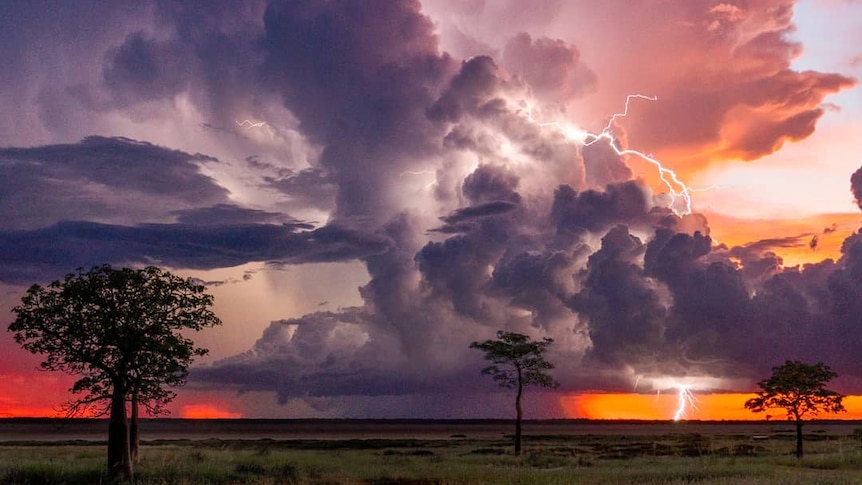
{"x":677,"y":189}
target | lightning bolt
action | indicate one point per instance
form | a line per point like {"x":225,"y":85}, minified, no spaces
{"x":677,"y":189}
{"x":417,"y":172}
{"x":685,"y":400}
{"x":625,"y":110}
{"x":250,"y":124}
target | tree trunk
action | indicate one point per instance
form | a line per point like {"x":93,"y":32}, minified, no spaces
{"x":134,"y":436}
{"x":518,"y":415}
{"x":798,"y":438}
{"x":119,"y":459}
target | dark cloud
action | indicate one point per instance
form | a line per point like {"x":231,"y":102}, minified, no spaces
{"x":227,"y":214}
{"x":593,"y":210}
{"x":103,"y":178}
{"x":468,"y":218}
{"x":330,"y":355}
{"x":144,"y":69}
{"x":856,"y":186}
{"x":208,"y":51}
{"x":552,"y":67}
{"x":126,"y":164}
{"x":454,"y":269}
{"x":538,"y":282}
{"x":669,"y":253}
{"x":473,"y":91}
{"x":623,"y":310}
{"x":753,"y":250}
{"x":89,"y":203}
{"x":48,"y":253}
{"x":310,"y":187}
{"x":359,"y":78}
{"x":491,"y":184}
{"x":321,"y":349}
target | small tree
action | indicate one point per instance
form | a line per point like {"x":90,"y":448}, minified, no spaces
{"x":517,"y":363}
{"x":121,"y":332}
{"x":799,"y":389}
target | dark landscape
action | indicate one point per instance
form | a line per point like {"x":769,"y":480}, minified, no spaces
{"x":49,"y":429}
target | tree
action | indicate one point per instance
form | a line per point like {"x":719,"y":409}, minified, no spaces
{"x":799,"y":389}
{"x":122,"y":332}
{"x":517,"y":363}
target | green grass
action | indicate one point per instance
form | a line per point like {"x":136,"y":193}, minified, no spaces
{"x":585,"y":459}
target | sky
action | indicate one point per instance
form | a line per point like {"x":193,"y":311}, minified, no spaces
{"x":668,"y":189}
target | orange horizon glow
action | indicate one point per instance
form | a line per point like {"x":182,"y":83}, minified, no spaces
{"x":588,"y":405}
{"x":27,"y":412}
{"x":663,"y":406}
{"x":207,"y":411}
{"x":189,"y":411}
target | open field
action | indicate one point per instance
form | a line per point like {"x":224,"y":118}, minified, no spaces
{"x":46,"y":429}
{"x":438,"y":452}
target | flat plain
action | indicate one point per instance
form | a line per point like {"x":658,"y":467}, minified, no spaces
{"x":418,"y":452}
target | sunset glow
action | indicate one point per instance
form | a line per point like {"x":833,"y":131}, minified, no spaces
{"x":793,"y":236}
{"x":207,"y":411}
{"x":15,"y":411}
{"x":663,"y":406}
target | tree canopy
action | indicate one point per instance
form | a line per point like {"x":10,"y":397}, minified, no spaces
{"x":800,"y":390}
{"x":122,"y":331}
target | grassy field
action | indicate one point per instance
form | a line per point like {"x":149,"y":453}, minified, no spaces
{"x":677,"y":458}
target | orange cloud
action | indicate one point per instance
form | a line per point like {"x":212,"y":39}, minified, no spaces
{"x":723,"y":76}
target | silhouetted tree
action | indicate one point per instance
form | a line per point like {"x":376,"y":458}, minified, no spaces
{"x":518,"y":362}
{"x":799,"y":389}
{"x":122,"y":332}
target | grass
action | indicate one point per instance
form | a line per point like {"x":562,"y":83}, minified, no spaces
{"x":583,"y":459}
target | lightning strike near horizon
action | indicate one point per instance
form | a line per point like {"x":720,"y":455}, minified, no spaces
{"x":683,"y":387}
{"x":685,"y":400}
{"x":677,"y":189}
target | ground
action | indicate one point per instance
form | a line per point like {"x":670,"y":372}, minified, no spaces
{"x":425,"y":453}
